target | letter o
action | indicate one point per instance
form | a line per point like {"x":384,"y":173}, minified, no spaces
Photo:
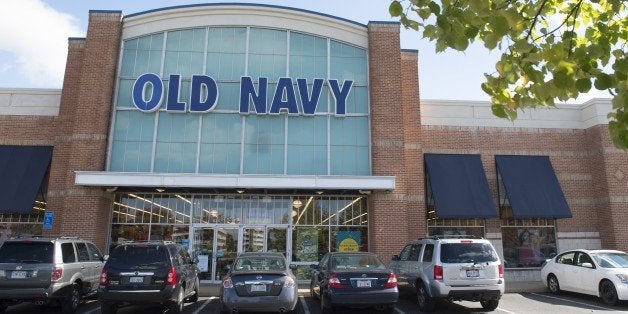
{"x":139,"y":90}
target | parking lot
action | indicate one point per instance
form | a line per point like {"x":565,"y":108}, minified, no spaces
{"x":520,"y":303}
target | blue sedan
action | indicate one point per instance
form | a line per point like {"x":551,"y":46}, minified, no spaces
{"x":354,"y":279}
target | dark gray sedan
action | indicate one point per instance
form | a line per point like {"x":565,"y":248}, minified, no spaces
{"x":356,"y":279}
{"x":259,"y":282}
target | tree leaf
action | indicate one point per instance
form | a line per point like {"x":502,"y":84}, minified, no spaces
{"x":603,"y":81}
{"x":583,"y":85}
{"x":395,"y":8}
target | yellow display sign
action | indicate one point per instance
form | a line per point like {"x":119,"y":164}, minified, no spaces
{"x":348,"y":245}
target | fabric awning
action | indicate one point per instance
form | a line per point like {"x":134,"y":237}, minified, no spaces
{"x":532,"y":187}
{"x":22,"y":170}
{"x":459,"y":186}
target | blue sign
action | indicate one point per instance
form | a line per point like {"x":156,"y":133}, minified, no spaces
{"x":48,"y":218}
{"x":204,"y":95}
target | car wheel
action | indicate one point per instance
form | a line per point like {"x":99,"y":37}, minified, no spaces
{"x":108,"y":308}
{"x":326,"y":308}
{"x":194,"y":298}
{"x":489,"y":305}
{"x":177,"y":306}
{"x":72,"y":300}
{"x":426,"y":303}
{"x":552,"y":284}
{"x":608,"y":293}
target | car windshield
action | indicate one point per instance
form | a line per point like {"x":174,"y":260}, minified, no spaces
{"x":260,"y":263}
{"x":139,"y":257}
{"x":26,"y":252}
{"x":467,"y":253}
{"x":352,"y":261}
{"x":611,"y":260}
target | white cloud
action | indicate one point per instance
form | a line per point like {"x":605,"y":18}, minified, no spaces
{"x":37,"y":37}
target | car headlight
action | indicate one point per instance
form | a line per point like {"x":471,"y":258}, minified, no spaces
{"x":622,"y":277}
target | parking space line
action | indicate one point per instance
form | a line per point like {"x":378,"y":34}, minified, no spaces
{"x":507,"y":311}
{"x":306,"y":309}
{"x":204,"y":305}
{"x":398,"y":311}
{"x":576,"y":302}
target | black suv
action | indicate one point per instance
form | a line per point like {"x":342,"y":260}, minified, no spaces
{"x":48,"y":271}
{"x":154,"y":272}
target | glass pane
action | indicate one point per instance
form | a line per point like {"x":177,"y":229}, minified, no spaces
{"x":203,"y":250}
{"x":253,"y":239}
{"x":276,"y":240}
{"x":226,"y":250}
{"x":528,"y":247}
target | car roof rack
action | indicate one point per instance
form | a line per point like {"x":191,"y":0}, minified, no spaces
{"x":148,"y":242}
{"x":451,"y":236}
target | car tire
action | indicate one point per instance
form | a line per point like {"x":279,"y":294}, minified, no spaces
{"x":71,"y":302}
{"x":108,"y":308}
{"x":194,"y":298}
{"x":326,"y":307}
{"x":489,"y":305}
{"x":176,"y":307}
{"x":425,"y":301}
{"x":608,"y":293}
{"x":552,"y":284}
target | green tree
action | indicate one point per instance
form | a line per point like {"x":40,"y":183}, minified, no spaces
{"x":551,"y":49}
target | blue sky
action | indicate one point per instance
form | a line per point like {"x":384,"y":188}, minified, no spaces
{"x":33,"y":42}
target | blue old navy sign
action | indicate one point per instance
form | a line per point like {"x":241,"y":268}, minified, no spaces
{"x":204,"y":95}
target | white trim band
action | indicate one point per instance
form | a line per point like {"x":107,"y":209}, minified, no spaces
{"x":103,"y":178}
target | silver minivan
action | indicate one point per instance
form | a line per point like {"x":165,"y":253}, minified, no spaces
{"x":452,"y":269}
{"x":48,"y":270}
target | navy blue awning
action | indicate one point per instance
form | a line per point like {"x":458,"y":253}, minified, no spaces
{"x":459,"y":186}
{"x":532,"y":187}
{"x":22,"y":170}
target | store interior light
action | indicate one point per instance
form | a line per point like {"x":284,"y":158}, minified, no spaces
{"x":160,"y":190}
{"x":297,"y":204}
{"x":240,"y":191}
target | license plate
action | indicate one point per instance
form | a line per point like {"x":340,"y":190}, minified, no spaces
{"x":258,"y":288}
{"x":473,"y":273}
{"x":136,"y":279}
{"x":364,"y":283}
{"x":18,"y":274}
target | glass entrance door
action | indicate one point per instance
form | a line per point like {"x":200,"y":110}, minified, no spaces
{"x":217,"y":246}
{"x":227,"y":248}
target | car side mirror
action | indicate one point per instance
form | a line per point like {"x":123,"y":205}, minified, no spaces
{"x":292,"y":266}
{"x":314,"y":266}
{"x":395,"y":257}
{"x":587,"y":265}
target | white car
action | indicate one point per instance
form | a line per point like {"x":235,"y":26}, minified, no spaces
{"x":603,"y":273}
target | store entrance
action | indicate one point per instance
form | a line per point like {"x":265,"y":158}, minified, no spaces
{"x":217,"y":245}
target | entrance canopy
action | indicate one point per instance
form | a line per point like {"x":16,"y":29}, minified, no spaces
{"x":532,"y":187}
{"x":22,"y":170}
{"x":459,"y":186}
{"x":123,"y":179}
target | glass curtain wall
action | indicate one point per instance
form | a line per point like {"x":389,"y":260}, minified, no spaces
{"x":224,"y":141}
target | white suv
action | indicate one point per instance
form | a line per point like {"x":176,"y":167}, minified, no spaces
{"x":451,"y":268}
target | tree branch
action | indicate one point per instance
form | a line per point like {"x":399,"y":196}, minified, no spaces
{"x":559,"y":26}
{"x":536,"y":16}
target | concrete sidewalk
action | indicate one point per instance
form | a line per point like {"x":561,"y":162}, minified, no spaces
{"x":213,"y":290}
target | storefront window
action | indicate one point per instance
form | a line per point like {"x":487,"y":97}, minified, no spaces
{"x":528,"y":242}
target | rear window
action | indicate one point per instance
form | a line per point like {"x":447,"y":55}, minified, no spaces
{"x":139,"y":257}
{"x":467,"y":253}
{"x":260,"y":263}
{"x":26,"y":252}
{"x":352,"y":261}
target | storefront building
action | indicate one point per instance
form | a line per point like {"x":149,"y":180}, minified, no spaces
{"x":236,"y":128}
